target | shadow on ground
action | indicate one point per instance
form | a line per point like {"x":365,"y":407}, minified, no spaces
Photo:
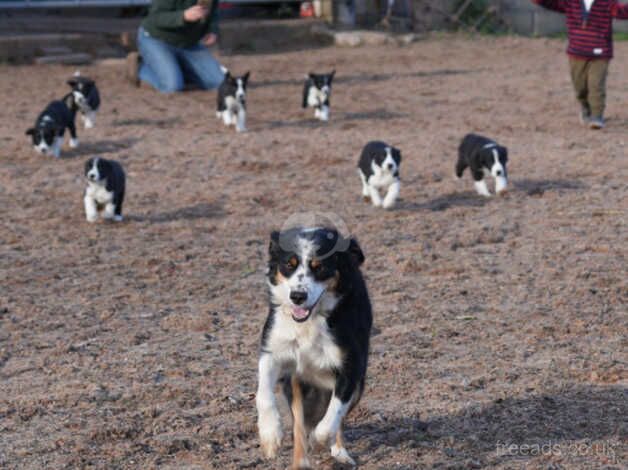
{"x":100,"y":146}
{"x":199,"y":211}
{"x":538,"y":187}
{"x":585,"y":413}
{"x":147,"y":122}
{"x":379,"y":114}
{"x":447,"y":201}
{"x":361,"y":78}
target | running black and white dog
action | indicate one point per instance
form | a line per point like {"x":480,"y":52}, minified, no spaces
{"x":379,"y":170}
{"x":105,"y":189}
{"x":231,"y":100}
{"x":483,"y":155}
{"x":316,"y":94}
{"x":86,"y":97}
{"x":315,"y":340}
{"x":50,"y":126}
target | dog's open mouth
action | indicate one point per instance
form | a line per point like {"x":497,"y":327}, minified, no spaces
{"x":300,"y":314}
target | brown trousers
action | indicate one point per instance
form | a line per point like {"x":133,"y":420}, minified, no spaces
{"x":589,"y":82}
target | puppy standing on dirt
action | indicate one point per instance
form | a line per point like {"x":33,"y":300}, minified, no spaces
{"x":231,"y":100}
{"x":105,"y":189}
{"x":315,"y":339}
{"x":379,"y":169}
{"x":86,"y":97}
{"x":483,"y":155}
{"x":316,"y":93}
{"x":47,"y":135}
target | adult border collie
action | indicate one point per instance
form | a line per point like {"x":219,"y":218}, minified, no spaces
{"x":315,"y":340}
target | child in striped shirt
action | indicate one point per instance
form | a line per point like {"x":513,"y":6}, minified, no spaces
{"x":590,"y":49}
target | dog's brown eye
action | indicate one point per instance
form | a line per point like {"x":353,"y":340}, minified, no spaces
{"x":293,"y":262}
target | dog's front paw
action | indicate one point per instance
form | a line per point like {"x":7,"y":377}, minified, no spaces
{"x":322,"y":435}
{"x":270,"y":435}
{"x":91,"y":217}
{"x":240,"y":129}
{"x":388,"y":204}
{"x":376,"y":203}
{"x":341,"y":455}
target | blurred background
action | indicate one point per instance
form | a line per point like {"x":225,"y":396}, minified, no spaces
{"x":80,"y":31}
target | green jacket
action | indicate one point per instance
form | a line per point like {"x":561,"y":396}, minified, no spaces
{"x":165,"y":21}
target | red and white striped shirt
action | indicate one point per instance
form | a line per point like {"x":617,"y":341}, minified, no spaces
{"x":590,"y":30}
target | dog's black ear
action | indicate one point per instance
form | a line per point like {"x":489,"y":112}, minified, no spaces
{"x":331,"y":75}
{"x":88,"y":165}
{"x":245,"y":77}
{"x":273,"y":247}
{"x":31,"y":131}
{"x":72,"y":82}
{"x":312,"y":76}
{"x":396,"y":154}
{"x":355,"y":253}
{"x":503,"y":152}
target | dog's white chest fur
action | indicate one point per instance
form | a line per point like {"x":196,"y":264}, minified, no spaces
{"x":315,"y":97}
{"x":307,"y":348}
{"x":98,"y":193}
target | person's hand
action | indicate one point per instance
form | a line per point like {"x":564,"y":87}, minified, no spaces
{"x":195,"y":14}
{"x":209,"y":40}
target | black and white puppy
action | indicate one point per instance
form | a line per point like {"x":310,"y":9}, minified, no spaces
{"x":316,"y":94}
{"x":232,"y":100}
{"x":379,"y":170}
{"x":105,"y":189}
{"x":86,"y":97}
{"x":50,"y":126}
{"x":483,"y":155}
{"x":315,"y":340}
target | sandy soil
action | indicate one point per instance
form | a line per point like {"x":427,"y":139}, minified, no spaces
{"x":498,"y":321}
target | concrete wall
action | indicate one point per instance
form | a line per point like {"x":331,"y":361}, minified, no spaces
{"x":530,"y":19}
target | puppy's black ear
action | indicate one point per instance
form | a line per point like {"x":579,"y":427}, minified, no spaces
{"x":312,"y":76}
{"x":331,"y":75}
{"x":396,"y":154}
{"x":72,"y":82}
{"x":245,"y":77}
{"x":273,"y":247}
{"x":30,"y":131}
{"x":355,"y":253}
{"x":503,"y":151}
{"x":88,"y":165}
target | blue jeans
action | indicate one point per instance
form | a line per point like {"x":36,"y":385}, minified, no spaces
{"x":168,"y":68}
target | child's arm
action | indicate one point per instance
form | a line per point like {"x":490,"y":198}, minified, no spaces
{"x":619,"y":11}
{"x":556,"y":5}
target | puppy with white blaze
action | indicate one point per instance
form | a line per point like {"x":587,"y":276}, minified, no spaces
{"x":379,"y":170}
{"x":315,"y":341}
{"x":86,"y":97}
{"x":231,"y":100}
{"x":105,"y":189}
{"x":316,"y":94}
{"x":47,"y":134}
{"x":483,"y":156}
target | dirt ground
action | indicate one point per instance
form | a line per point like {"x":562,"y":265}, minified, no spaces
{"x":498,"y":322}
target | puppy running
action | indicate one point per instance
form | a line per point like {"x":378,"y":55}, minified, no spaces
{"x":231,"y":100}
{"x":316,"y":93}
{"x":105,"y":189}
{"x":483,"y":155}
{"x":86,"y":97}
{"x":50,"y":126}
{"x":379,"y":169}
{"x":315,"y":339}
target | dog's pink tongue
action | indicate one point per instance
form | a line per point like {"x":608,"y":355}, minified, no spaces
{"x":299,"y":312}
